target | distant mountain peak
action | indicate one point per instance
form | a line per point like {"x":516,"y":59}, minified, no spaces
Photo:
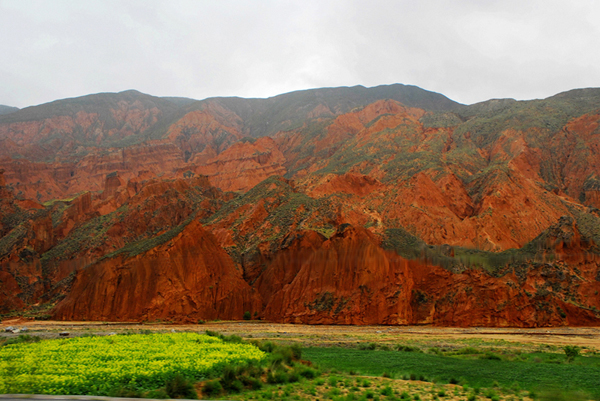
{"x":7,"y":109}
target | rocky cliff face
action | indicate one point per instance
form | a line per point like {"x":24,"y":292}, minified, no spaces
{"x":360,"y":207}
{"x":60,"y":180}
{"x":243,"y":165}
{"x":349,"y":279}
{"x":45,"y":247}
{"x":184,"y":280}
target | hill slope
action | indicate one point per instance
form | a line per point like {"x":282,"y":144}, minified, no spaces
{"x":386,"y":205}
{"x":7,"y":109}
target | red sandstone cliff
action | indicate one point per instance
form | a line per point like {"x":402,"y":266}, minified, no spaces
{"x":349,"y":279}
{"x":186,"y":279}
{"x":243,"y":165}
{"x":449,"y":192}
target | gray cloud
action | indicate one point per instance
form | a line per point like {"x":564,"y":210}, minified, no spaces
{"x":468,"y":50}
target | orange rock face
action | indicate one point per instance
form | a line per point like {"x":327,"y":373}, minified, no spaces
{"x":184,"y":280}
{"x":205,"y":132}
{"x":124,"y":213}
{"x":349,"y":183}
{"x":132,"y":207}
{"x":245,"y":164}
{"x":45,"y":181}
{"x":349,"y":279}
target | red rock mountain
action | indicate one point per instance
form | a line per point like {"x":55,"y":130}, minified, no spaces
{"x":386,"y":205}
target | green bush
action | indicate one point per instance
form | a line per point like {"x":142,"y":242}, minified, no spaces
{"x":387,"y":391}
{"x":236,"y":386}
{"x":231,"y":339}
{"x":571,"y":351}
{"x":252,"y":382}
{"x":296,"y":352}
{"x":179,"y":387}
{"x":407,"y":348}
{"x":247,"y":315}
{"x":267,"y":346}
{"x":286,"y":353}
{"x":159,"y":394}
{"x":228,"y":376}
{"x":293,"y":377}
{"x":277,"y":378}
{"x":308,"y":373}
{"x":490,"y":356}
{"x":212,"y":388}
{"x":277,"y":362}
{"x":23,"y":338}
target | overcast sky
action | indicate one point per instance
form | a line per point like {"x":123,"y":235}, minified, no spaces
{"x":469,"y":50}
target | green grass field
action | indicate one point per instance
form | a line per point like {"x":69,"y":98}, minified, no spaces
{"x":161,"y":365}
{"x":536,"y":372}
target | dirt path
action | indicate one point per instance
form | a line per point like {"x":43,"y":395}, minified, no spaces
{"x":333,"y":335}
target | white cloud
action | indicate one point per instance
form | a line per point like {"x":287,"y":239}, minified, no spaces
{"x":468,"y":50}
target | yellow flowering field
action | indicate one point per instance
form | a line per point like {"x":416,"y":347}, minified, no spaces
{"x":95,"y":365}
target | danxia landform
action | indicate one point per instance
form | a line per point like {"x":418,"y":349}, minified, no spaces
{"x":386,"y":205}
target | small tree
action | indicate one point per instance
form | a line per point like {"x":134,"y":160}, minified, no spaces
{"x":571,"y":351}
{"x":247,"y":315}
